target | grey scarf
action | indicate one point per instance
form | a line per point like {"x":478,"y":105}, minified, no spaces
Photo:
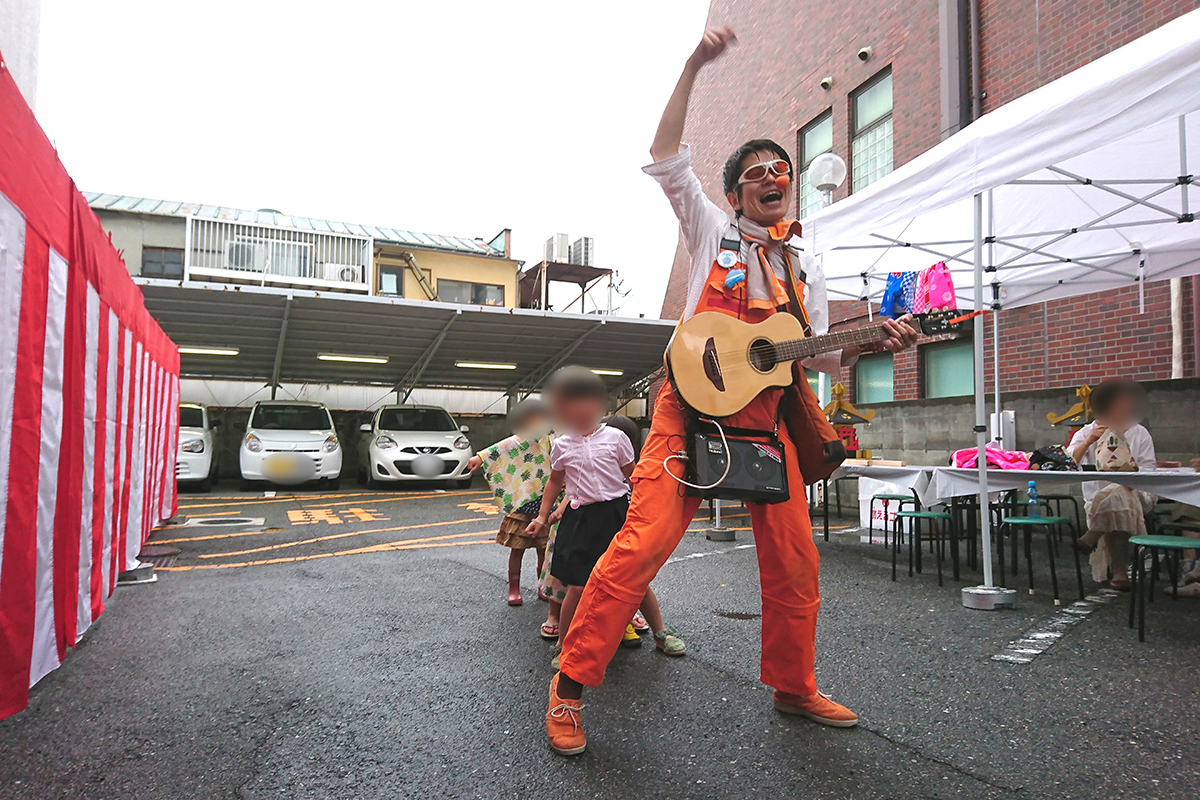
{"x":768,"y":258}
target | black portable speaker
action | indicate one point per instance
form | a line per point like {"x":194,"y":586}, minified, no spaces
{"x":756,"y":468}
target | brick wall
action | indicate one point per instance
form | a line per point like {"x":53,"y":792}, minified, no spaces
{"x":769,"y":84}
{"x":1028,"y":43}
{"x":1062,"y":344}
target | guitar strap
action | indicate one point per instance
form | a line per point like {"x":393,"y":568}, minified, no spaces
{"x":819,"y":449}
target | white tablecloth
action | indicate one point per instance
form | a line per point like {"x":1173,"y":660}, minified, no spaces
{"x":1182,"y":485}
{"x":906,"y":478}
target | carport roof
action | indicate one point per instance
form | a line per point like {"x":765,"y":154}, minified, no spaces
{"x":279,"y":336}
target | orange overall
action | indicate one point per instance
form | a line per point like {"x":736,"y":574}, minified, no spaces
{"x":660,"y":512}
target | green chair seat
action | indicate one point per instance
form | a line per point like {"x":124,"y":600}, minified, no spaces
{"x":1035,"y":521}
{"x":1165,"y":542}
{"x":887,"y":496}
{"x":923,"y":514}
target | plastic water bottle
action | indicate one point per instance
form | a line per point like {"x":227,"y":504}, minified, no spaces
{"x":1035,"y":508}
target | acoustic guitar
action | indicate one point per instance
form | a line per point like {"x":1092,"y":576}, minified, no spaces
{"x":718,"y":363}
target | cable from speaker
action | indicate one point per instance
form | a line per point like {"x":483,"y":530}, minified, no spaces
{"x":728,"y":461}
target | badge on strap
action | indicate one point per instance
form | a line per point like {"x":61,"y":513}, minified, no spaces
{"x":727,"y":258}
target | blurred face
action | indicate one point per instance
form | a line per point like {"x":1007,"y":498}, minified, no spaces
{"x":1123,"y":412}
{"x":578,"y":415}
{"x":535,"y":426}
{"x":766,"y":200}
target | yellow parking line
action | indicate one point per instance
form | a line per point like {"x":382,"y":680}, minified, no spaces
{"x":303,"y":498}
{"x":346,"y":535}
{"x":378,"y":548}
{"x":217,"y":536}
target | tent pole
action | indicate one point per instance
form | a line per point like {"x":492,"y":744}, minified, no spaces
{"x":987,"y":596}
{"x":998,"y":432}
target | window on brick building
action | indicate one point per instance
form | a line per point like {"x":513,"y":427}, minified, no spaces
{"x":948,"y":368}
{"x":162,"y":262}
{"x":871,"y":126}
{"x":873,"y":379}
{"x":814,"y":139}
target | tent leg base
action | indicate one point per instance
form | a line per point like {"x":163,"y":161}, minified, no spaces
{"x":988,"y":598}
{"x":720,"y":535}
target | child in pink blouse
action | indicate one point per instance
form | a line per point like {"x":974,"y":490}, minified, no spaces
{"x":593,"y":461}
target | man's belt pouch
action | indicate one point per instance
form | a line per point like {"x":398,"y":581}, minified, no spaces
{"x":757,"y":472}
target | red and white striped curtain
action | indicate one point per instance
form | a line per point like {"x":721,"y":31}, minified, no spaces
{"x":89,"y":390}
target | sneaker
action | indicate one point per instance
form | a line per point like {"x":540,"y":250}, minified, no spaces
{"x":667,"y":641}
{"x":631,"y":639}
{"x":816,"y":707}
{"x":1190,"y":574}
{"x":1189,"y":590}
{"x":639,"y":623}
{"x":564,"y":723}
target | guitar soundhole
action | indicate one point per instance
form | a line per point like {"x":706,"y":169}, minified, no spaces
{"x":762,"y":355}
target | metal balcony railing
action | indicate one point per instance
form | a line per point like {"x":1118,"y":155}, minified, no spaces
{"x":265,"y":254}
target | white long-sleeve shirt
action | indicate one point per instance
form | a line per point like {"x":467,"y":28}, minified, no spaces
{"x":1141,"y":447}
{"x":704,"y":224}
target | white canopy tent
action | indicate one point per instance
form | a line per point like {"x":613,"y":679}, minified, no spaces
{"x":1083,"y":185}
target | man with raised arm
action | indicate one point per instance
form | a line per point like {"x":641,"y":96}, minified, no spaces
{"x":740,"y":266}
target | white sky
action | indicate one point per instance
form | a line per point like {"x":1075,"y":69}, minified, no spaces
{"x":446,"y":117}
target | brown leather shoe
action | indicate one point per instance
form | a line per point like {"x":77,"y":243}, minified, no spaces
{"x":564,"y":723}
{"x":816,"y":707}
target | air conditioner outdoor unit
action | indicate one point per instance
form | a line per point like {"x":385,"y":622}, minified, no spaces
{"x":245,"y":256}
{"x":346,"y":273}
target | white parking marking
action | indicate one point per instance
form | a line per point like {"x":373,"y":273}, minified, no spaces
{"x":1041,"y":638}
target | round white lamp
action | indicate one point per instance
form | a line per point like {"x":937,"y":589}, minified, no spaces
{"x":827,"y":172}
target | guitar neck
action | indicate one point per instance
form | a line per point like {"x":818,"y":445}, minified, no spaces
{"x":795,"y":349}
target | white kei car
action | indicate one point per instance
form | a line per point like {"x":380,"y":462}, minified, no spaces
{"x":414,"y":443}
{"x":196,"y":456}
{"x":288,"y":443}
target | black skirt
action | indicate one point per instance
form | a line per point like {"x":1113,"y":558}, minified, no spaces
{"x":582,"y":537}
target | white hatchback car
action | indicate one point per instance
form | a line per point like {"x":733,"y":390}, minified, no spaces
{"x":196,"y":456}
{"x":414,"y":443}
{"x":289,"y":443}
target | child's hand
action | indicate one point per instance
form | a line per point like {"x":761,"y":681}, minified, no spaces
{"x":1097,"y":433}
{"x":555,"y":516}
{"x":531,"y":530}
{"x":474,"y":463}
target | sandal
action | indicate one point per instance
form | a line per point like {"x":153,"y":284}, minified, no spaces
{"x":667,"y":641}
{"x":549,"y":632}
{"x":639,"y":623}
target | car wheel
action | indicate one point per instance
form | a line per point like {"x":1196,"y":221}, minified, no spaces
{"x":463,"y":483}
{"x":246,"y":485}
{"x":334,"y":483}
{"x":204,"y":485}
{"x":374,"y":483}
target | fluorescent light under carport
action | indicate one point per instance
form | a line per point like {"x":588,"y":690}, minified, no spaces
{"x":483,"y":365}
{"x":613,"y":372}
{"x":352,"y":359}
{"x":208,"y":351}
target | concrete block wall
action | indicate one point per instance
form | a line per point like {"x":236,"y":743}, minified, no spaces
{"x":929,"y":431}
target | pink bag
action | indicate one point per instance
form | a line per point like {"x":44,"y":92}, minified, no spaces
{"x":996,"y":458}
{"x":935,"y":290}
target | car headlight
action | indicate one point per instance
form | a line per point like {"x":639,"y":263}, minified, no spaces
{"x":253,"y":443}
{"x":385,"y":442}
{"x":331,"y":443}
{"x":194,"y":446}
{"x":461,"y":443}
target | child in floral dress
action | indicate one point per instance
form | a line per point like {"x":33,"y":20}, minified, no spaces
{"x":516,"y":470}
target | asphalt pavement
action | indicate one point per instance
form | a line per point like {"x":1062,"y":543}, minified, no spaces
{"x":357,"y":645}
